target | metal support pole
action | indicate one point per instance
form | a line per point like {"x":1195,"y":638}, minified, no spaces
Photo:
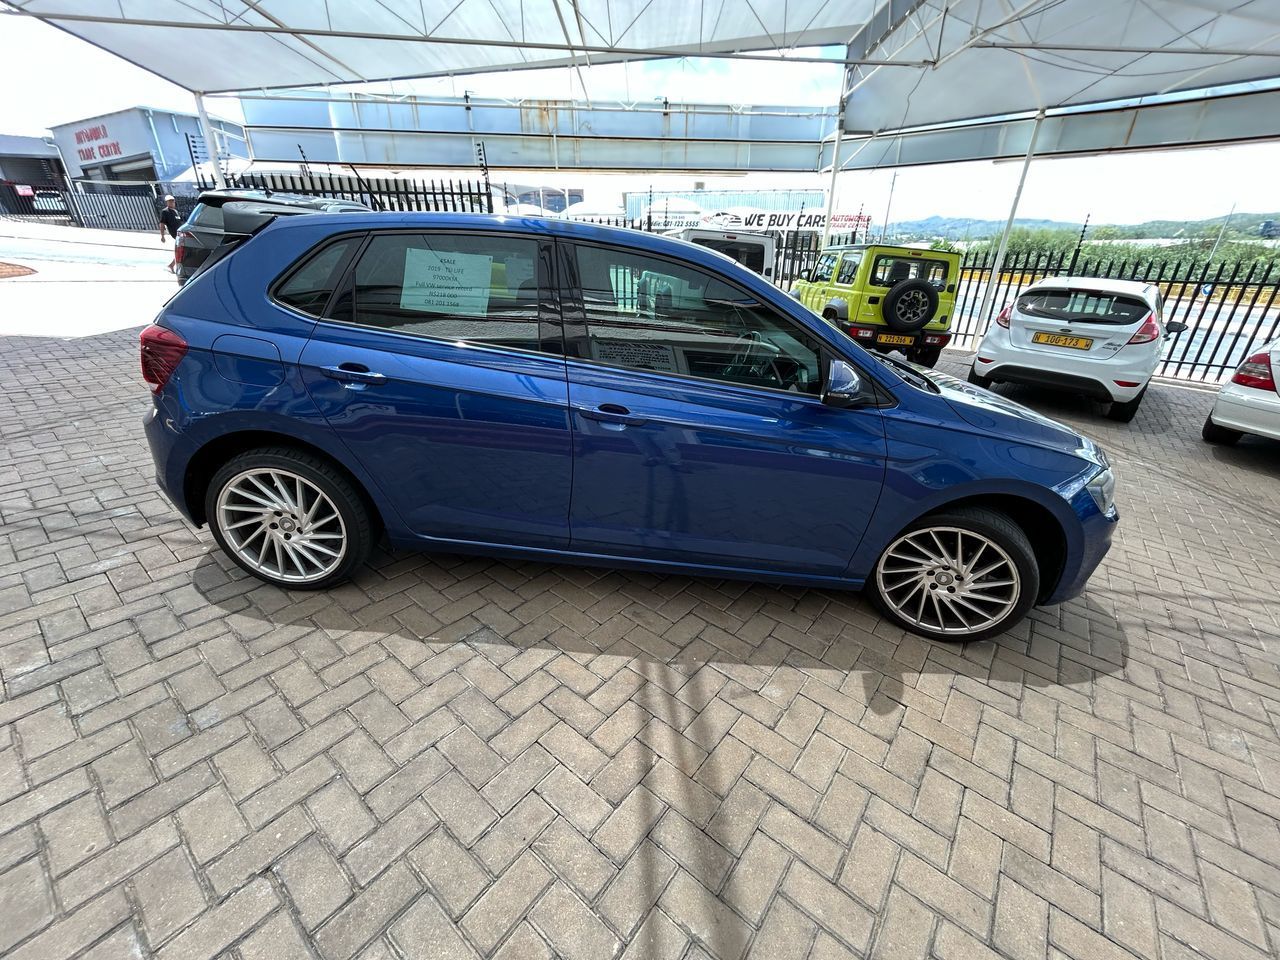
{"x":831,"y":190}
{"x":211,"y":145}
{"x":1008,"y":226}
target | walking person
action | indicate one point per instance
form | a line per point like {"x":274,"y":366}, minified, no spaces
{"x":170,"y":220}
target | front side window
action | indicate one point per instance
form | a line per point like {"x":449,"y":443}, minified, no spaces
{"x":307,"y":289}
{"x":750,"y":255}
{"x":823,"y":268}
{"x":648,"y":314}
{"x":890,"y":270}
{"x":467,"y":288}
{"x":849,"y":265}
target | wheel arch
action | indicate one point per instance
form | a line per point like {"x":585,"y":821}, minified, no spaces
{"x":1043,"y":528}
{"x":837,"y":305}
{"x":206,"y":461}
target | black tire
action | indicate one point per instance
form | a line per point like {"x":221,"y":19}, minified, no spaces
{"x":909,"y":306}
{"x":989,"y":525}
{"x":355,"y":520}
{"x":1212,"y":433}
{"x":978,"y":380}
{"x":1125,"y":412}
{"x":927,"y":356}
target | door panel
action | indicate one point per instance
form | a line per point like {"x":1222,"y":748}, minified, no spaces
{"x":698,"y":433}
{"x":711,"y":474}
{"x":469,"y":440}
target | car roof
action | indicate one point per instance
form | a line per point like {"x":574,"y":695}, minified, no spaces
{"x":1133,"y":288}
{"x":220,"y":197}
{"x":918,"y":251}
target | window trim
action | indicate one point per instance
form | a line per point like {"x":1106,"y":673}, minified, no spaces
{"x":573,"y":315}
{"x":273,"y":289}
{"x":548,"y":315}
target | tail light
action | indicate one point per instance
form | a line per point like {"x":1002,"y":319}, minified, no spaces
{"x":1150,"y":330}
{"x":162,"y":351}
{"x":180,"y":245}
{"x":1256,"y":372}
{"x":1003,"y":318}
{"x":862,"y":333}
{"x":937,"y":339}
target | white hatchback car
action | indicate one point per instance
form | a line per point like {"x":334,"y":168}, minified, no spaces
{"x":1096,"y":337}
{"x":1250,"y":402}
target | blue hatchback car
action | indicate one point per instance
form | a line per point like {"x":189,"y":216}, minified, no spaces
{"x":562,"y":391}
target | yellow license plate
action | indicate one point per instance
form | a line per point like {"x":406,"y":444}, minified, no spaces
{"x":895,"y":338}
{"x":1057,"y":340}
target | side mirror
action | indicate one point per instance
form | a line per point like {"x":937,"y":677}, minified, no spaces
{"x":1175,"y":327}
{"x":843,"y":387}
{"x":806,"y":275}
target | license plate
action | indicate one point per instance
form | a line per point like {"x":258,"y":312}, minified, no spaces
{"x":895,"y":338}
{"x":1057,"y":340}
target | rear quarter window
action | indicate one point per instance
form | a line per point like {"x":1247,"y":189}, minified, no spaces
{"x":308,"y":286}
{"x":1083,"y":306}
{"x":203,"y":215}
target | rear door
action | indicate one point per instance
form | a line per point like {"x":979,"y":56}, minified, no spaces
{"x":440,"y":367}
{"x":1077,"y":322}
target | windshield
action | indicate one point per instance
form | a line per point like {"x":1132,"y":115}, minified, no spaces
{"x":1083,"y":306}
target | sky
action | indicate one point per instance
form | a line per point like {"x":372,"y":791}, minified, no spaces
{"x":51,"y":77}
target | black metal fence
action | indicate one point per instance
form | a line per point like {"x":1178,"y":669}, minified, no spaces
{"x":385,"y":193}
{"x":43,"y":202}
{"x":1231,"y":309}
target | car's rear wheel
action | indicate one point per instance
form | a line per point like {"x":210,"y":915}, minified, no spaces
{"x":965,"y":573}
{"x":978,"y":380}
{"x":288,"y":518}
{"x":1125,"y":412}
{"x":1212,"y":433}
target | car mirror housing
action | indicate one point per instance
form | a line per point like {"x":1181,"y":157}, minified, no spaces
{"x":843,"y":386}
{"x":806,"y":275}
{"x":1174,"y":328}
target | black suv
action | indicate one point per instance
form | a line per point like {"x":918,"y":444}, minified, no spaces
{"x":223,"y":218}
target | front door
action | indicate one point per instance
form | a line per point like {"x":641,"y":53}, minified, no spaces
{"x":439,"y":368}
{"x":698,"y":431}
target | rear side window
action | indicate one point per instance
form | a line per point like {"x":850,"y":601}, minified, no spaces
{"x":477,"y":289}
{"x":1083,"y":306}
{"x":308,"y":287}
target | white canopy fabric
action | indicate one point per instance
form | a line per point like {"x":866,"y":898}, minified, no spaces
{"x":990,"y":58}
{"x":213,"y":46}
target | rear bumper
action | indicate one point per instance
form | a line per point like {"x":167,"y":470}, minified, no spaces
{"x":1095,"y":377}
{"x":1248,"y":410}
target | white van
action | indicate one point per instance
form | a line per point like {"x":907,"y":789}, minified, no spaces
{"x":755,"y":251}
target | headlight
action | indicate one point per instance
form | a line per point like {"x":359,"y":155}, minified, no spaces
{"x":1103,"y":489}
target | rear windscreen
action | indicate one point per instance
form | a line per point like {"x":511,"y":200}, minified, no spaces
{"x":203,"y":215}
{"x":1083,"y":306}
{"x":750,"y":255}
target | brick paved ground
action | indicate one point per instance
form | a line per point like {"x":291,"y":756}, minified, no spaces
{"x":457,"y":757}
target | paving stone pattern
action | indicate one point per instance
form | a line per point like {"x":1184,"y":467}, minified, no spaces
{"x":458,"y":757}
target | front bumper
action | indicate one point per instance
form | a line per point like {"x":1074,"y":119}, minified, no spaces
{"x":1096,"y":531}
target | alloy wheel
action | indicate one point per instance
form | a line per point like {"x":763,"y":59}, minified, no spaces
{"x":948,"y":580}
{"x":282,"y":525}
{"x":913,"y":306}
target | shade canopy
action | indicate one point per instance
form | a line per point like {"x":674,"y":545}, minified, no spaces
{"x":989,"y":58}
{"x":231,"y":45}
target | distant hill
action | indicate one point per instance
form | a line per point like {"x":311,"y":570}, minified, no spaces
{"x":960,"y":228}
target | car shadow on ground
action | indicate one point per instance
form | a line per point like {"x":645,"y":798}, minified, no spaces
{"x":696,"y":659}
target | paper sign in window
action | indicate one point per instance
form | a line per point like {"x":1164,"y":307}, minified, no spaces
{"x":446,"y":282}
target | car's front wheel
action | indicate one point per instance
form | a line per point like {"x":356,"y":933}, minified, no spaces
{"x":965,"y":573}
{"x":288,"y":518}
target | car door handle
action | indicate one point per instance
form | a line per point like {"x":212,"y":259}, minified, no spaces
{"x":611,"y":413}
{"x":353,"y":373}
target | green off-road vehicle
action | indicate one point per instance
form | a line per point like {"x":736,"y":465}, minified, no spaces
{"x":886,"y":298}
